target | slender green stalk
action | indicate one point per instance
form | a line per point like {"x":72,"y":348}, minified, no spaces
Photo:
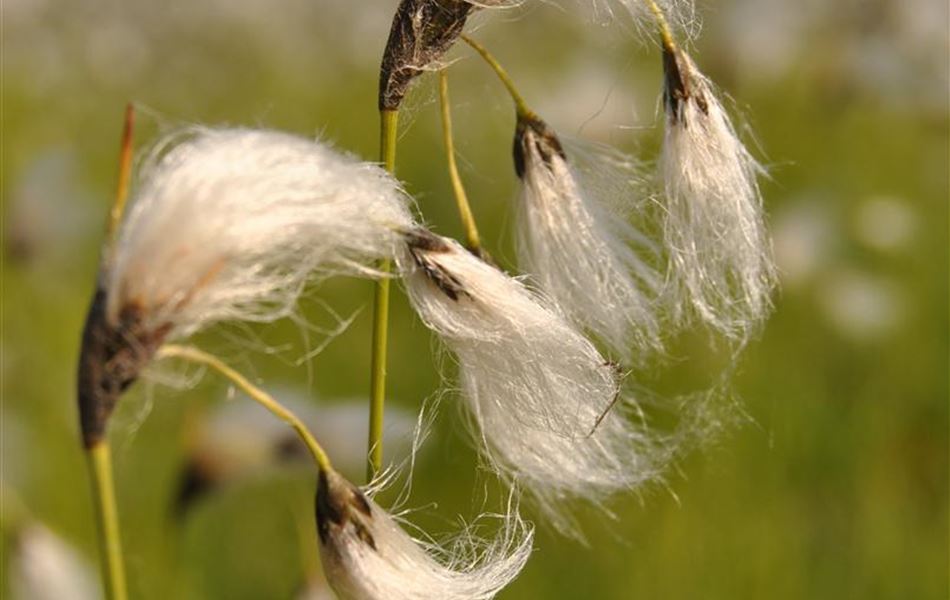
{"x":461,"y":198}
{"x":257,"y":394}
{"x":521,"y":107}
{"x":107,"y":519}
{"x":666,"y":33}
{"x":388,"y":120}
{"x":99,"y":455}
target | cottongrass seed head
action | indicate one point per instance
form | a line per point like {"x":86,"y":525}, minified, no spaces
{"x":541,"y":397}
{"x":367,"y":555}
{"x":578,"y":247}
{"x":227,"y":224}
{"x":721,"y":261}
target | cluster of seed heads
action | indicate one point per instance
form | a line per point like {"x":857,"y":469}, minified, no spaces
{"x":232,"y":224}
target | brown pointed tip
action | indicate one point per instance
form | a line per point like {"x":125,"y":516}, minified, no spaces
{"x":679,"y":85}
{"x":338,"y":503}
{"x":110,"y":359}
{"x":422,"y":32}
{"x":423,"y":243}
{"x":532,"y":130}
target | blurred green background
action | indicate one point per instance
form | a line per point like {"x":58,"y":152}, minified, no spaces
{"x":835,"y":487}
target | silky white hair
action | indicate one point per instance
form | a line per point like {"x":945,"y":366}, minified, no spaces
{"x":721,"y":265}
{"x":231,"y":223}
{"x":367,"y":555}
{"x":578,"y":244}
{"x":541,"y":397}
{"x":681,"y":14}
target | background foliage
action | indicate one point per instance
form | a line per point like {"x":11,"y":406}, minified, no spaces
{"x":837,"y":486}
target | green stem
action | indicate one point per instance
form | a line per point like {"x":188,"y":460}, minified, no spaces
{"x":257,"y":394}
{"x":521,"y":107}
{"x":388,"y":120}
{"x":461,"y":198}
{"x":107,"y":519}
{"x":666,"y":33}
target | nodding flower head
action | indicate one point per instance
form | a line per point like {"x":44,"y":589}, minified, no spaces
{"x":366,"y":555}
{"x":721,"y":261}
{"x":543,"y":401}
{"x":227,"y":224}
{"x":579,"y":246}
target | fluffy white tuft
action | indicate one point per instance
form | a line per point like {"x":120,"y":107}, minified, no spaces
{"x":578,"y":246}
{"x":534,"y":386}
{"x":231,"y":223}
{"x":367,"y":555}
{"x":721,"y":261}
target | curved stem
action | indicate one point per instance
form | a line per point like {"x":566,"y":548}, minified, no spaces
{"x":521,"y":107}
{"x":257,"y":394}
{"x":461,"y":198}
{"x":388,"y":126}
{"x":666,"y":32}
{"x":107,"y":519}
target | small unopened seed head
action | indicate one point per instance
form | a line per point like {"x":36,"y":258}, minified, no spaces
{"x":422,"y":32}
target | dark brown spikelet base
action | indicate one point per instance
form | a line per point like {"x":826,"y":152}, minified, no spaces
{"x":678,"y":86}
{"x":421,"y":244}
{"x":110,"y":359}
{"x":339,"y":503}
{"x":422,"y":31}
{"x":532,"y":130}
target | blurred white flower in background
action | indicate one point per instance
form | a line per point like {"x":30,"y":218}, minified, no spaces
{"x":885,"y":223}
{"x":44,"y":567}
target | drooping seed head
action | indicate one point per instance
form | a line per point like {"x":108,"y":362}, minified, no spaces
{"x":722,"y":272}
{"x":542,"y":400}
{"x":366,"y":555}
{"x":580,"y":246}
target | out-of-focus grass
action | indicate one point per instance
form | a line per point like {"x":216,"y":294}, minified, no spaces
{"x":837,"y":487}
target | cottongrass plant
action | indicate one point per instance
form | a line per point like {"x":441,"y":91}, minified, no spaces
{"x":232,"y":224}
{"x":545,"y":404}
{"x":722,"y":271}
{"x":229,"y":224}
{"x":225,"y":224}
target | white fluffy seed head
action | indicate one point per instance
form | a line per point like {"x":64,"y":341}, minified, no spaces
{"x":722,"y":270}
{"x":367,"y":555}
{"x":231,"y":223}
{"x":578,"y":246}
{"x":534,"y":387}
